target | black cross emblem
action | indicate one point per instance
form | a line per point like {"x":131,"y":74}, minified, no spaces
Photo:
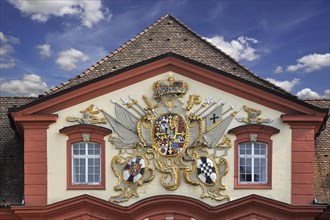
{"x":214,"y":118}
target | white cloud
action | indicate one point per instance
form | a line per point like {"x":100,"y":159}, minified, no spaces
{"x":6,"y":44}
{"x":239,"y":49}
{"x":327,"y":94}
{"x":8,"y":65}
{"x":45,"y":50}
{"x":8,"y":39}
{"x":89,"y":12}
{"x":311,"y":63}
{"x":286,"y":85}
{"x":307,"y":93}
{"x":278,"y":69}
{"x":29,"y":85}
{"x":3,"y":38}
{"x":6,"y":49}
{"x":69,"y":58}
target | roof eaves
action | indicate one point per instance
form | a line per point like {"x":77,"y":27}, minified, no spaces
{"x":165,"y":55}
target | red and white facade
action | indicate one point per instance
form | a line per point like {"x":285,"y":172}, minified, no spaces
{"x":49,"y":193}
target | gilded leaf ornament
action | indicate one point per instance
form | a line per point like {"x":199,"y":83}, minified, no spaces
{"x":253,"y":116}
{"x":89,"y":116}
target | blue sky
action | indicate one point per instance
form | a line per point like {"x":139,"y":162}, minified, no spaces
{"x":44,"y":43}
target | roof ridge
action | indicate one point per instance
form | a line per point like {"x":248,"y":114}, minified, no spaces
{"x":198,"y":37}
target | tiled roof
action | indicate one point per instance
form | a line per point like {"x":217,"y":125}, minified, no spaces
{"x":166,"y":35}
{"x":11,"y":155}
{"x":322,"y":157}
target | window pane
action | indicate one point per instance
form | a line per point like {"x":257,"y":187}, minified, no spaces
{"x":256,"y":169}
{"x":257,"y":149}
{"x":90,"y":169}
{"x":90,"y":149}
{"x":90,"y":162}
{"x":97,"y":161}
{"x":248,"y":150}
{"x":256,"y":178}
{"x":242,"y":149}
{"x":242,"y":169}
{"x":97,"y":150}
{"x":97,"y":178}
{"x":82,"y":179}
{"x":263,"y":149}
{"x":97,"y":170}
{"x":248,"y":161}
{"x":75,"y":162}
{"x":90,"y":178}
{"x":82,"y":149}
{"x":248,"y":178}
{"x":242,"y":161}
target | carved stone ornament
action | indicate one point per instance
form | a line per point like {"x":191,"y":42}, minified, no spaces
{"x":86,"y":137}
{"x":252,"y":116}
{"x":253,"y":137}
{"x":88,"y":117}
{"x":172,"y":139}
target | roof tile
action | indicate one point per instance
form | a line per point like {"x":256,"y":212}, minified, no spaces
{"x":165,"y":35}
{"x":322,"y":157}
{"x":11,"y":155}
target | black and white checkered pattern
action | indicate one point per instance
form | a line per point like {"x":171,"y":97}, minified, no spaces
{"x":205,"y":170}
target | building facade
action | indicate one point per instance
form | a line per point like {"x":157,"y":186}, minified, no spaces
{"x":165,"y":127}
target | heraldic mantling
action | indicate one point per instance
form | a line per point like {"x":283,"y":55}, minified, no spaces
{"x":170,"y":139}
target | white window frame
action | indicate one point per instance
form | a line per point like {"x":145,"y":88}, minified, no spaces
{"x":253,"y":156}
{"x":86,"y":156}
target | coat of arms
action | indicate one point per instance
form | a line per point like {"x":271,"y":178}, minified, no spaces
{"x":170,"y":138}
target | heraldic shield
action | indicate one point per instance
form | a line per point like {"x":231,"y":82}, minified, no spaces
{"x":169,"y":134}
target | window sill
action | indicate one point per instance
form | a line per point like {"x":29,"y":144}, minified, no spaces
{"x":86,"y":187}
{"x":253,"y":186}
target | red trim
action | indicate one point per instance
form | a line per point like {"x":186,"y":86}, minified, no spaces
{"x":243,"y":135}
{"x":8,"y":214}
{"x":97,"y":135}
{"x":179,"y":207}
{"x":303,"y":120}
{"x":35,"y":156}
{"x":155,"y":68}
{"x":302,"y":177}
{"x":32,"y":120}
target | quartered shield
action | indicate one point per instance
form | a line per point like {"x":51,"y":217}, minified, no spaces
{"x":134,"y":169}
{"x":169,"y":134}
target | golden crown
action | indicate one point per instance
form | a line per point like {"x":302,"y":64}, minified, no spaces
{"x":170,"y":86}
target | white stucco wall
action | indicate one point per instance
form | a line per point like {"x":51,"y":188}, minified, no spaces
{"x":56,"y":149}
